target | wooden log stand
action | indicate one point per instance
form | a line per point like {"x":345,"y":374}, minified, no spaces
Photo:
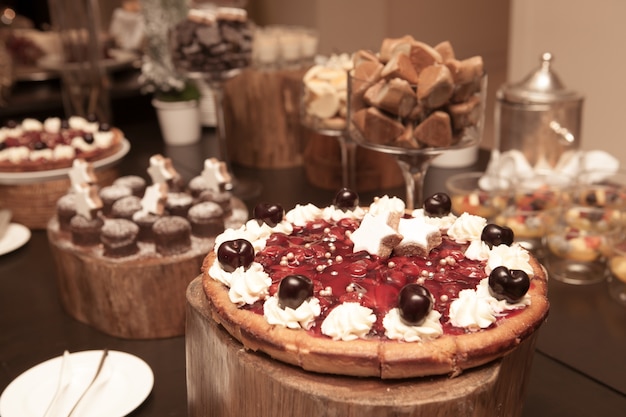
{"x":33,"y":204}
{"x":142,"y":298}
{"x":223,"y":379}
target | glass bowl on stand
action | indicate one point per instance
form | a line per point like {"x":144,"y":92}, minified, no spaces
{"x":412,"y":134}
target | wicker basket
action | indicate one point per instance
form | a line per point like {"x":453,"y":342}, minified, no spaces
{"x":33,"y":204}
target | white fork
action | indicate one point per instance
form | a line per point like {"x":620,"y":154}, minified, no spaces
{"x":65,"y":377}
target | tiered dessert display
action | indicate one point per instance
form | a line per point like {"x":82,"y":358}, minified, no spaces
{"x":331,"y":302}
{"x":415,"y":102}
{"x":125,"y":253}
{"x":215,"y":44}
{"x":35,"y":157}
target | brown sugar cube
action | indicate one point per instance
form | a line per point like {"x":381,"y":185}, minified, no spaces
{"x":466,"y":71}
{"x":423,"y":55}
{"x":406,"y":139}
{"x":465,"y":114}
{"x":363,"y":55}
{"x":376,"y":127}
{"x":445,"y":50}
{"x":399,"y":66}
{"x":392,"y":46}
{"x":435,"y":130}
{"x":435,"y":86}
{"x":395,"y":96}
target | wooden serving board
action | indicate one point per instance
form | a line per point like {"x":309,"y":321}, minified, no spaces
{"x":223,"y":379}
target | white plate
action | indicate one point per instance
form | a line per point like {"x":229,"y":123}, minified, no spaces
{"x":15,"y":237}
{"x":55,"y":174}
{"x":126,"y":384}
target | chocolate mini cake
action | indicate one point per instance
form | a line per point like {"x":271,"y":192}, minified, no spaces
{"x":136,"y":183}
{"x":178,"y":204}
{"x":119,"y":238}
{"x":66,"y":209}
{"x":207,"y":219}
{"x":145,"y":221}
{"x":85,"y":232}
{"x":223,"y":198}
{"x":110,"y":194}
{"x":172,"y":235}
{"x":126,"y":207}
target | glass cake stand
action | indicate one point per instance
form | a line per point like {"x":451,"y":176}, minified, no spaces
{"x":413,"y":162}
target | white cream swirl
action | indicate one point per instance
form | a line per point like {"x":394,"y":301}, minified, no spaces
{"x":15,"y":154}
{"x":386,"y":204}
{"x":348,"y":321}
{"x":52,"y":125}
{"x":253,"y":233}
{"x":301,"y":214}
{"x":513,"y":257}
{"x":467,"y":227}
{"x":41,"y":154}
{"x":396,"y":329}
{"x":103,"y":139}
{"x":477,"y":251}
{"x":301,"y":317}
{"x":30,"y":124}
{"x":63,"y":152}
{"x":79,"y":143}
{"x":332,"y":214}
{"x":442,"y":223}
{"x":250,"y":285}
{"x":478,"y":309}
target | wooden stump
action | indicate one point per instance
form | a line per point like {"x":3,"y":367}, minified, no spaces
{"x":223,"y":379}
{"x":141,"y":298}
{"x":34,"y":204}
{"x":262,"y":118}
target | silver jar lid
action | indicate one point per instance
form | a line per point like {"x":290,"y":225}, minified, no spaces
{"x":541,"y":86}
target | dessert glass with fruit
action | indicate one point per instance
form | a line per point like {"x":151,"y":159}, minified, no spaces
{"x":479,"y":194}
{"x":415,"y":102}
{"x":617,"y":273}
{"x":323,"y":109}
{"x":579,"y":241}
{"x":532,"y":207}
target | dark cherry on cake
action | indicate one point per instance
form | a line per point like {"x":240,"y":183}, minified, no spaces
{"x":293,"y":290}
{"x":235,"y":253}
{"x":346,"y":199}
{"x":494,"y":235}
{"x":438,"y":205}
{"x":414,"y":303}
{"x":508,"y":284}
{"x":270,"y":214}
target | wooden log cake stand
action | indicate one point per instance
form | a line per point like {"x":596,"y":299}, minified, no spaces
{"x":223,"y":379}
{"x":34,"y":203}
{"x":262,"y":118}
{"x":137,"y":298}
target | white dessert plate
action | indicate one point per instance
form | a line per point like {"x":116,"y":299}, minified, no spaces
{"x":15,"y":237}
{"x":124,"y":383}
{"x":13,"y":178}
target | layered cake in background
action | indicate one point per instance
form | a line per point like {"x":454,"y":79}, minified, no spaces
{"x":123,"y":252}
{"x":33,"y":145}
{"x":349,"y":291}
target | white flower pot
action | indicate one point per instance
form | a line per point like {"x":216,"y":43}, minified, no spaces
{"x":179,"y":121}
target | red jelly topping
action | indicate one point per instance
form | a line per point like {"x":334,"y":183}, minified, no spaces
{"x":322,"y":251}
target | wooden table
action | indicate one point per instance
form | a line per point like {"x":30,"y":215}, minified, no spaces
{"x":579,"y":367}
